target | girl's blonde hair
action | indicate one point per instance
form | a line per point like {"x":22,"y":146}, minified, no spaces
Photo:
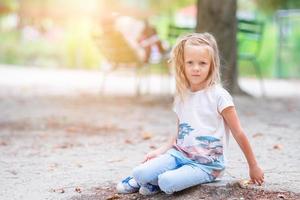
{"x":177,"y":59}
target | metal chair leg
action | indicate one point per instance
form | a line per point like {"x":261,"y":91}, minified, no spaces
{"x":259,"y":75}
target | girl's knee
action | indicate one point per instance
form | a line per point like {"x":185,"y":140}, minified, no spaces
{"x":166,"y":184}
{"x":141,"y":174}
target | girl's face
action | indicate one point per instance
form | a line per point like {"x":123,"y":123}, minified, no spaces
{"x":197,"y":61}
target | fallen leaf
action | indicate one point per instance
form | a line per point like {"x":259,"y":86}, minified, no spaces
{"x":128,"y":141}
{"x":277,"y":146}
{"x":73,"y":129}
{"x":53,"y":123}
{"x":78,"y":165}
{"x":114,"y":160}
{"x":52,"y":166}
{"x":257,"y":135}
{"x":58,"y":190}
{"x":249,"y":114}
{"x":3,"y":143}
{"x":146,"y":135}
{"x":64,"y":146}
{"x":61,"y":190}
{"x":15,"y":125}
{"x":13,"y":172}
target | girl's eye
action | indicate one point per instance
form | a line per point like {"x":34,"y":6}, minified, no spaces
{"x":203,"y":63}
{"x":189,"y":62}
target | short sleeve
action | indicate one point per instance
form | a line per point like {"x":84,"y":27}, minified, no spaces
{"x":224,"y":100}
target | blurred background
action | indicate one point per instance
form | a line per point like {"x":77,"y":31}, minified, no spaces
{"x":66,"y":34}
{"x":61,"y":138}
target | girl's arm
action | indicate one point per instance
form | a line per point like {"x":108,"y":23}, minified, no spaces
{"x":231,"y":118}
{"x":168,"y":145}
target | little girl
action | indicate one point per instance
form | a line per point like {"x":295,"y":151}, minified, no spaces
{"x":205,"y":117}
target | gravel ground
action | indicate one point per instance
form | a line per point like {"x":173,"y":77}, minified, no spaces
{"x":78,"y":147}
{"x":59,"y":142}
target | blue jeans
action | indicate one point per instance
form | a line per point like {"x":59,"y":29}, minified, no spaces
{"x":170,"y":173}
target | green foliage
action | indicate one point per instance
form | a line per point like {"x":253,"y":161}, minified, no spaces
{"x":290,"y":60}
{"x":161,"y":24}
{"x":169,"y":5}
{"x":8,"y":6}
{"x":79,"y":48}
{"x":267,"y":56}
{"x":15,"y":51}
{"x":270,"y":6}
{"x":296,"y":48}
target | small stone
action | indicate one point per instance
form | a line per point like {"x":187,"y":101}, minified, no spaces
{"x":244,"y":183}
{"x":77,"y":189}
{"x":281,"y":196}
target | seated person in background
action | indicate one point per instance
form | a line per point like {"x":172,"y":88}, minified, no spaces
{"x":140,"y":36}
{"x":150,"y":42}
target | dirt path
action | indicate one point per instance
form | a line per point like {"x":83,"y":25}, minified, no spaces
{"x":59,"y":147}
{"x":53,"y":143}
{"x":77,"y":146}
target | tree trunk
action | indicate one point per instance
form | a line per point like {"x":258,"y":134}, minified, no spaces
{"x":219,"y":18}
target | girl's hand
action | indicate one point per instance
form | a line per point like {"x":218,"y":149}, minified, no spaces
{"x":151,"y":155}
{"x":256,"y":174}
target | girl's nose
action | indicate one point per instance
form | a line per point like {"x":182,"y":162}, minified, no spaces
{"x":196,"y":68}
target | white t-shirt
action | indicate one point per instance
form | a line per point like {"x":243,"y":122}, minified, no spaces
{"x":203,"y":133}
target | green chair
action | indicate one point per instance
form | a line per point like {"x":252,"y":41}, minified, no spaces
{"x":174,"y":32}
{"x":250,"y":34}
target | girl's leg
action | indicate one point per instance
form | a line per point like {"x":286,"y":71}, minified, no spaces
{"x":148,"y":172}
{"x":181,"y":178}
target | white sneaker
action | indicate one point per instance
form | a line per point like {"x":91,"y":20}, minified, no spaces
{"x":149,"y":189}
{"x":128,"y":185}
